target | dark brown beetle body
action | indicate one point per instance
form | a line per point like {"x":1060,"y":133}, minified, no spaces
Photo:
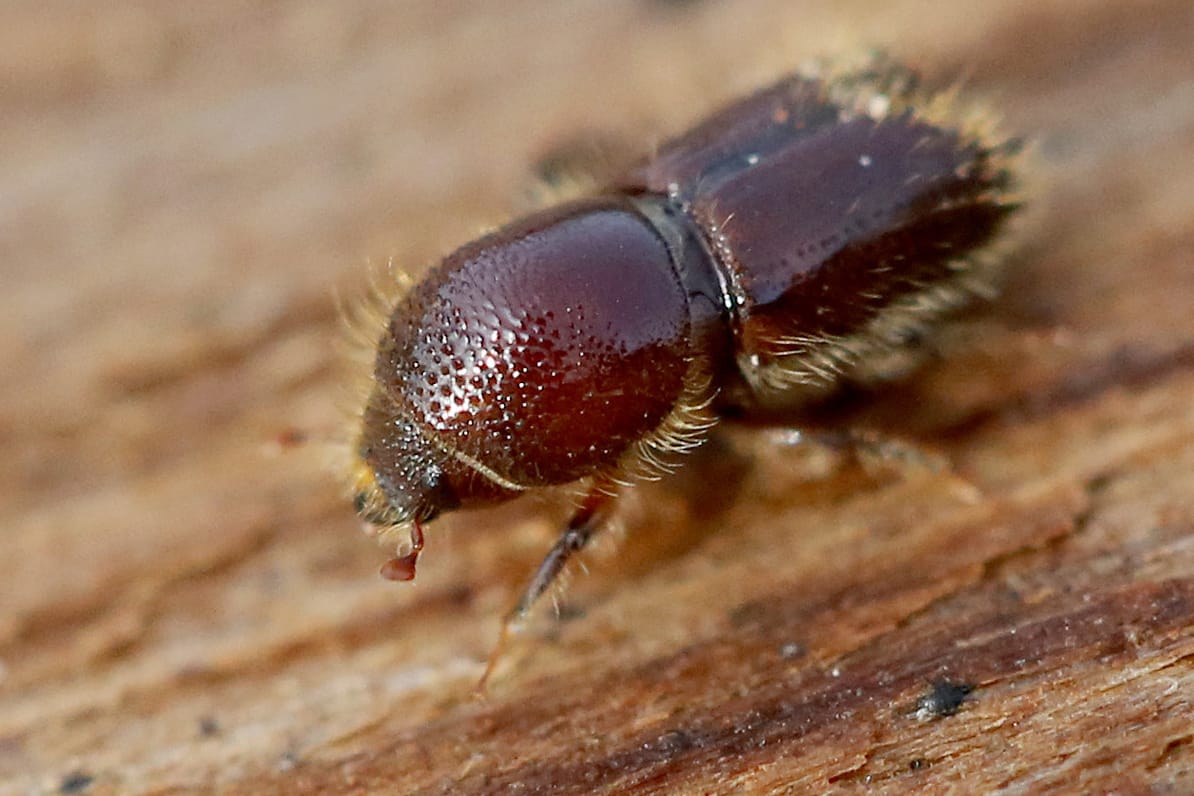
{"x":783,"y":244}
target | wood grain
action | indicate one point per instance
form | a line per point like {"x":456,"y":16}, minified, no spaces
{"x":188,"y":604}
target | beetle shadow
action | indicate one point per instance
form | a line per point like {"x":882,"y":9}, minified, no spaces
{"x":667,"y":520}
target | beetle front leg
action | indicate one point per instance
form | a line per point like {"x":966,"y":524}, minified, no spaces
{"x":585,"y":522}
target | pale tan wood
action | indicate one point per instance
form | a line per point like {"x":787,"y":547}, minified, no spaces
{"x":188,"y":605}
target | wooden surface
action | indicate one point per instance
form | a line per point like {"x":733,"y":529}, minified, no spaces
{"x":187,"y":603}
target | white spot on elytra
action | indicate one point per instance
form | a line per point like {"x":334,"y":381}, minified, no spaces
{"x":864,"y":161}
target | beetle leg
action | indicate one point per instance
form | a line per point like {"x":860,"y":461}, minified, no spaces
{"x":876,"y":452}
{"x":872,"y":448}
{"x":585,"y":521}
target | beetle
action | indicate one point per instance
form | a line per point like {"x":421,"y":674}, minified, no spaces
{"x":783,"y":246}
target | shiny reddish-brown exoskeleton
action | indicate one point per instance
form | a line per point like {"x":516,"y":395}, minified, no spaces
{"x":784,"y":244}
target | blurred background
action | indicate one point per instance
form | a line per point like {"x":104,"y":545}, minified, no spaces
{"x":184,"y":186}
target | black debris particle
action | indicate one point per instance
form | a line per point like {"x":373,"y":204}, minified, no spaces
{"x":944,"y":698}
{"x":76,"y":782}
